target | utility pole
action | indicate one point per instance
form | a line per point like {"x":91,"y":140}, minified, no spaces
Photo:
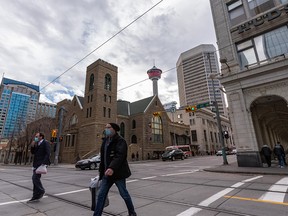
{"x":58,"y":135}
{"x":212,"y":77}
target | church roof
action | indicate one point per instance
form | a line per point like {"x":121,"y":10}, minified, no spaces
{"x":126,"y":108}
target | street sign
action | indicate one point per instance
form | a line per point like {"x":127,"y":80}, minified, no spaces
{"x":202,"y":105}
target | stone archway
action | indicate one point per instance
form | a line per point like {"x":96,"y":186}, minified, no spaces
{"x":270,"y":120}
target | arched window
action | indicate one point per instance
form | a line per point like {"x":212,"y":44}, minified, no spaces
{"x":108,"y":82}
{"x":157,"y":129}
{"x":91,"y":82}
{"x":122,"y":130}
{"x":134,"y":139}
{"x":133,"y":124}
{"x":73,"y":120}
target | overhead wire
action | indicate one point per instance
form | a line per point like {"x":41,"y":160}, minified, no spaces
{"x":102,"y":44}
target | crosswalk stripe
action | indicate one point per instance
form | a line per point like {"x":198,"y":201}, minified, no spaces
{"x":281,"y":186}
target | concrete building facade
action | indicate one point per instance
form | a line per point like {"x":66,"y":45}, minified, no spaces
{"x":193,"y":69}
{"x":253,"y":44}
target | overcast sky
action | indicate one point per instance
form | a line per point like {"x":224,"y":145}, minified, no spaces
{"x":42,"y":39}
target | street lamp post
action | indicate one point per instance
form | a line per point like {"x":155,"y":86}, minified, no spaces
{"x":212,"y":76}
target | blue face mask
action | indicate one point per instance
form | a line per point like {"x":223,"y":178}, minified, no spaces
{"x":108,"y":132}
{"x":36,"y":139}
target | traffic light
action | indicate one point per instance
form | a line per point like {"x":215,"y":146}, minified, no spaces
{"x":226,"y":135}
{"x":156,"y":114}
{"x":54,"y":133}
{"x":191,"y":109}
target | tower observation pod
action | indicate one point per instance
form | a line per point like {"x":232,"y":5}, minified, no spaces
{"x":154,"y":75}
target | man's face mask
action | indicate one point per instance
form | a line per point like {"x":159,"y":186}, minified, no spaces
{"x":108,"y":132}
{"x":36,"y":139}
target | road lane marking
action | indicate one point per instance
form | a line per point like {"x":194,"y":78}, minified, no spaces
{"x":194,"y":210}
{"x":256,"y":200}
{"x":183,"y":173}
{"x":281,"y":186}
{"x":17,"y":201}
{"x":134,"y":180}
{"x":70,"y":192}
{"x":151,"y":177}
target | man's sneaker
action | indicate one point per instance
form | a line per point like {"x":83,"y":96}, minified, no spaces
{"x":43,"y":194}
{"x":32,"y":200}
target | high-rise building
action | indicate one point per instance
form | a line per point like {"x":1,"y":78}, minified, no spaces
{"x":18,"y":105}
{"x":46,"y":110}
{"x":252,"y":38}
{"x":193,"y":69}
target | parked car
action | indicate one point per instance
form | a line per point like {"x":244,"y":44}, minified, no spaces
{"x":173,"y":154}
{"x":91,"y":163}
{"x":219,"y":153}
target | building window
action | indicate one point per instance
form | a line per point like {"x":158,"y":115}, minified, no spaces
{"x":203,"y":121}
{"x":110,"y":99}
{"x":133,"y":124}
{"x":215,"y":137}
{"x":194,"y":135}
{"x":236,"y":12}
{"x":73,"y":140}
{"x":122,"y":129}
{"x":91,"y":98}
{"x":109,"y":113}
{"x":88,"y":99}
{"x":105,"y":97}
{"x":90,"y":112}
{"x":108,"y":82}
{"x":73,"y":120}
{"x":260,"y":6}
{"x":104,"y":111}
{"x":87,"y":113}
{"x":264,"y":47}
{"x":205,"y":136}
{"x":91,"y":82}
{"x":157,"y":129}
{"x":133,"y":139}
{"x":211,"y":135}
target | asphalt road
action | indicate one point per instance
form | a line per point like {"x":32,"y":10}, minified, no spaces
{"x":178,"y":188}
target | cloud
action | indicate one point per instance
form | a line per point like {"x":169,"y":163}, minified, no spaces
{"x":46,"y":39}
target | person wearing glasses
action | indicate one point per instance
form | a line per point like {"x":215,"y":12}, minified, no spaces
{"x":113,"y":169}
{"x":41,"y":150}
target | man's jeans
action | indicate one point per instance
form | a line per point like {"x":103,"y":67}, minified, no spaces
{"x":105,"y":186}
{"x":280,"y":160}
{"x":38,"y":189}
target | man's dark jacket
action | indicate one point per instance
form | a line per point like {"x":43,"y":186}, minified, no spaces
{"x":41,"y":154}
{"x":116,"y":158}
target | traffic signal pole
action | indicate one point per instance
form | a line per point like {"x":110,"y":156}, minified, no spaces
{"x":56,"y":159}
{"x":212,"y":77}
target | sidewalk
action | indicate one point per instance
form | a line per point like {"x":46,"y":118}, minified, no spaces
{"x":233,"y":168}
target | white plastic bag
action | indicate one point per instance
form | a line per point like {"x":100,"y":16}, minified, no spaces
{"x":41,"y":170}
{"x":94,"y":188}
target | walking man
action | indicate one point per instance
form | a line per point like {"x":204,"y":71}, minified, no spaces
{"x":279,"y":152}
{"x":41,"y":150}
{"x":113,"y":168}
{"x":266,"y":152}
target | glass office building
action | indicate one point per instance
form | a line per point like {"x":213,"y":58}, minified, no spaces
{"x":18,"y":105}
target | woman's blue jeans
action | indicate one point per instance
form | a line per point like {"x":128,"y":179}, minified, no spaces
{"x":105,"y":186}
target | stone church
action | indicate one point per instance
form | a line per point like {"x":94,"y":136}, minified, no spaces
{"x":83,"y":119}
